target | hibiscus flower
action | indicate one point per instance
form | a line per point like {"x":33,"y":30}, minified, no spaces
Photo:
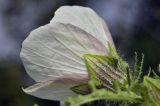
{"x":53,"y":55}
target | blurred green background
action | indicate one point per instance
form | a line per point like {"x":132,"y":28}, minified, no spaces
{"x":134,"y":25}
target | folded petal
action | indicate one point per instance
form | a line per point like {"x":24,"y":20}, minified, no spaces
{"x":86,"y":19}
{"x":53,"y":51}
{"x":58,"y":89}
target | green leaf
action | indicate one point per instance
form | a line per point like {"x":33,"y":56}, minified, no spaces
{"x":82,"y":89}
{"x":137,"y":71}
{"x":103,"y":94}
{"x":153,"y":86}
{"x":112,"y":51}
{"x":140,"y":69}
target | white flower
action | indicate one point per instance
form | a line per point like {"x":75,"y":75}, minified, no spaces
{"x":53,"y":54}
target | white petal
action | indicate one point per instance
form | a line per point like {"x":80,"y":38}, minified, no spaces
{"x":55,"y":50}
{"x":50,"y":90}
{"x":86,"y":19}
{"x":58,"y":89}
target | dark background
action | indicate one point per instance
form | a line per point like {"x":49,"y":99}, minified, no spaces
{"x":134,"y":25}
